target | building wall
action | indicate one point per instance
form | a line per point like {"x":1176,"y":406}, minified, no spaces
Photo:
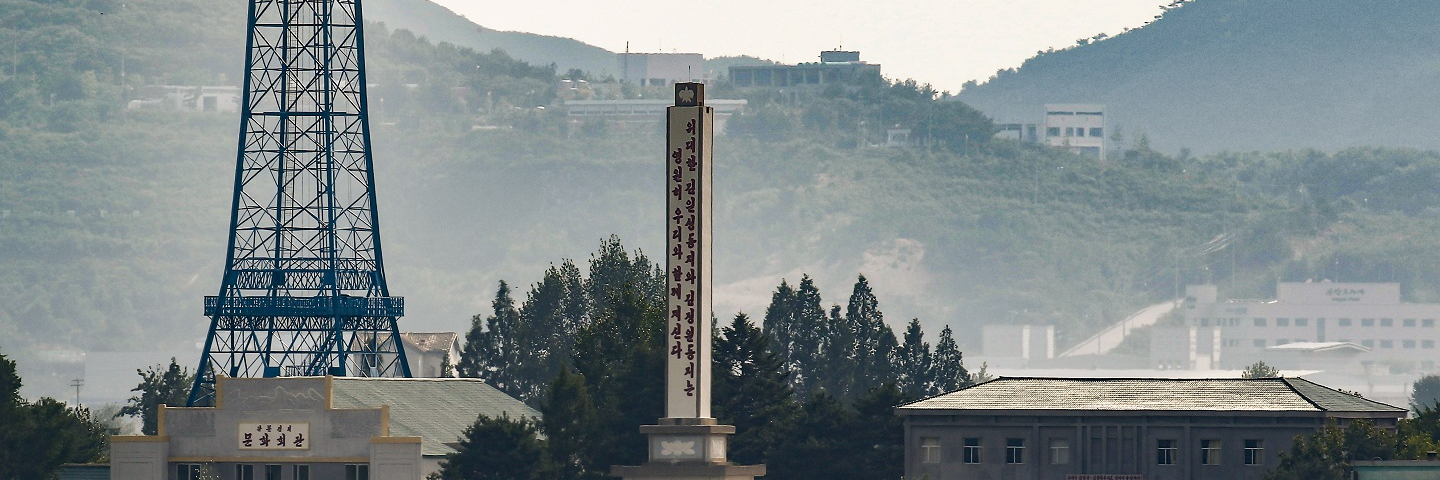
{"x":1078,"y":127}
{"x":1368,"y":314}
{"x":1015,"y":345}
{"x":213,"y":437}
{"x":660,"y":69}
{"x":1099,"y":444}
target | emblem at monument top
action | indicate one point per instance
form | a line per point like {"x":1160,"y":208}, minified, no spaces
{"x":688,"y":263}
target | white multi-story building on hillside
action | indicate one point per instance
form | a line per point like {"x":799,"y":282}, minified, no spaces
{"x":1370,"y":316}
{"x":1078,"y":127}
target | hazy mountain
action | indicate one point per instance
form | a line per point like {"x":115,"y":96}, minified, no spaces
{"x":1216,"y":75}
{"x":439,"y":24}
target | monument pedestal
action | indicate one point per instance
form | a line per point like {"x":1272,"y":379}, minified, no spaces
{"x":687,"y":449}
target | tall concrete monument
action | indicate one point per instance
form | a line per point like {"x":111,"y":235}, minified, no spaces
{"x":688,"y":443}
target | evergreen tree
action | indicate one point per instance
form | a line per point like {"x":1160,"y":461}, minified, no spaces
{"x":1328,"y":453}
{"x":877,"y":439}
{"x":815,"y":448}
{"x":497,"y":353}
{"x":36,"y":438}
{"x":837,"y":371}
{"x":547,"y":345}
{"x":875,"y":345}
{"x":1260,"y":370}
{"x":947,"y":364}
{"x":621,"y":356}
{"x":159,"y":385}
{"x":751,"y":391}
{"x":780,"y":325}
{"x":498,"y":449}
{"x":913,"y":363}
{"x":1425,"y":393}
{"x":612,"y":269}
{"x":570,"y":426}
{"x":798,"y":324}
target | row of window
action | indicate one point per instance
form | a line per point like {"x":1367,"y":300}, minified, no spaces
{"x":1305,"y":322}
{"x":194,"y":471}
{"x":1428,"y":344}
{"x":1166,"y":451}
{"x":1074,"y":132}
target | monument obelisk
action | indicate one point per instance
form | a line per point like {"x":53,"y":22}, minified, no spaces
{"x":688,"y":442}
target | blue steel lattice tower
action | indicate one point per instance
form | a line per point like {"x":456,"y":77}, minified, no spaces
{"x":304,"y":288}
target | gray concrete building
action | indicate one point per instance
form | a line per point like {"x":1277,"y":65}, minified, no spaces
{"x":1151,"y":429}
{"x":304,"y":428}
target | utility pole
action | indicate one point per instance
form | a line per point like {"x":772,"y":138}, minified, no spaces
{"x":77,"y":383}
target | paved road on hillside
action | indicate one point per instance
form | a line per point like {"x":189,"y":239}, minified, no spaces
{"x":1111,"y":337}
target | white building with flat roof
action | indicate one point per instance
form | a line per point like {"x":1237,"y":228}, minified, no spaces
{"x":1077,"y":127}
{"x":1369,"y":315}
{"x":661,"y":69}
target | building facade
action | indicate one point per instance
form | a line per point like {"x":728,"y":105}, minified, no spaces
{"x":661,"y":69}
{"x":1150,"y":429}
{"x":1077,"y":127}
{"x":834,"y":68}
{"x":303,"y":428}
{"x":1370,"y":315}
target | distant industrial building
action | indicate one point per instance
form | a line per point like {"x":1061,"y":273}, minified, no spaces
{"x":1323,"y":322}
{"x":835,"y":67}
{"x":1017,"y":346}
{"x":300,"y":428}
{"x":1123,"y":429}
{"x":643,"y":113}
{"x":1077,"y":127}
{"x":661,"y":69}
{"x":223,"y":99}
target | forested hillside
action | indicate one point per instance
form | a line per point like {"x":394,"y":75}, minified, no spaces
{"x":1243,"y":75}
{"x":113,"y":220}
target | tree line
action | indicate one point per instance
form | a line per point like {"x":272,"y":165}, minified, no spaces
{"x":811,"y":393}
{"x":37,"y":437}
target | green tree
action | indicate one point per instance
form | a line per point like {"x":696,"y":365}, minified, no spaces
{"x":799,"y":328}
{"x":751,"y":391}
{"x":36,"y":438}
{"x":498,"y":449}
{"x":947,"y":365}
{"x":912,"y":363}
{"x":621,"y":356}
{"x":1425,"y":393}
{"x":1260,"y":370}
{"x":814,"y":445}
{"x":495,"y":353}
{"x":875,"y":345}
{"x":159,"y":385}
{"x":877,"y":442}
{"x":1327,"y":454}
{"x":570,"y":426}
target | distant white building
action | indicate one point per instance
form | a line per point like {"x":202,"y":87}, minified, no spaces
{"x":644,"y":111}
{"x":661,"y":69}
{"x":222,"y":99}
{"x":1077,"y":127}
{"x":1009,"y":346}
{"x":1322,"y":316}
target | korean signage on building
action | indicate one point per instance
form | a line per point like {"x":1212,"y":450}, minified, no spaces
{"x":687,"y":265}
{"x":274,"y":436}
{"x":1103,"y":476}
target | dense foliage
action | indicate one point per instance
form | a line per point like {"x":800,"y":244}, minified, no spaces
{"x":37,"y":437}
{"x":159,"y":385}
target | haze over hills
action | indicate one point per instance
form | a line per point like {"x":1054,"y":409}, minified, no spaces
{"x":1244,"y":75}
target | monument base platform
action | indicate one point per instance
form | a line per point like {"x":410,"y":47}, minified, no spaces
{"x":687,"y":449}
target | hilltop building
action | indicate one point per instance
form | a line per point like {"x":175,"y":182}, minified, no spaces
{"x":1321,"y":322}
{"x":834,"y":68}
{"x":298,"y":428}
{"x":1077,"y":127}
{"x":661,"y":69}
{"x":1152,"y":429}
{"x":639,"y":113}
{"x":223,"y":99}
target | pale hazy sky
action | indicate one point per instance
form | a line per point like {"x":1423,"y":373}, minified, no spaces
{"x":942,"y":42}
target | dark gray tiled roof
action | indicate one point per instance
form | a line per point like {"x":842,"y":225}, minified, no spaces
{"x":1148,"y":394}
{"x":435,"y":409}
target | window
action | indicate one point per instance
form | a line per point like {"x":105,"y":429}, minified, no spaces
{"x":272,"y":472}
{"x":972,"y":450}
{"x":1209,"y":452}
{"x":1259,"y":322}
{"x":1259,"y":343}
{"x":187,"y":471}
{"x":300,"y":472}
{"x":1097,"y":132}
{"x":929,"y":449}
{"x":1344,"y":322}
{"x":1427,"y":344}
{"x":1059,"y":451}
{"x":1367,"y":343}
{"x":1302,"y":322}
{"x":1428,"y":323}
{"x":357,"y":472}
{"x":1387,"y":322}
{"x":1254,"y":452}
{"x":1407,"y":343}
{"x":244,"y":472}
{"x":1052,"y":132}
{"x":1069,"y":131}
{"x":1387,"y":344}
{"x":1165,"y":452}
{"x":1409,"y":322}
{"x":1367,"y":322}
{"x":1282,"y":322}
{"x":1014,"y":451}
